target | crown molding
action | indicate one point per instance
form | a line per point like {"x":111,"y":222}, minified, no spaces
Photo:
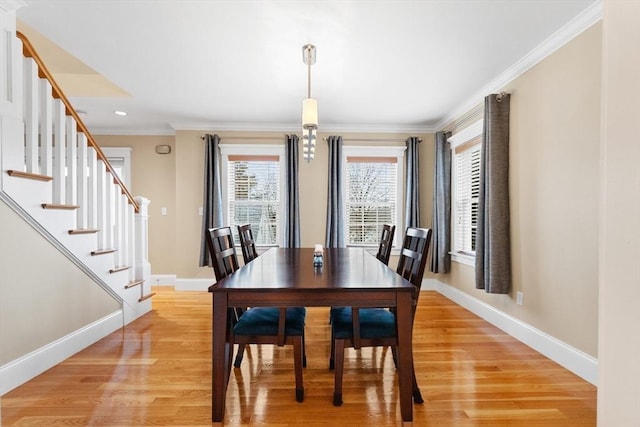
{"x":136,"y":131}
{"x":590,"y":16}
{"x":11,"y":5}
{"x":294,"y":128}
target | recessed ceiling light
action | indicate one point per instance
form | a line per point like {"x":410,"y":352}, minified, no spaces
{"x":120,"y":113}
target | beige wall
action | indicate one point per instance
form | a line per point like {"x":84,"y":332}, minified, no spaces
{"x":43,"y":295}
{"x":619,"y":346}
{"x":554,"y":165}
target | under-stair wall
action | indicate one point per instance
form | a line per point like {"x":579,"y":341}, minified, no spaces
{"x":56,"y":178}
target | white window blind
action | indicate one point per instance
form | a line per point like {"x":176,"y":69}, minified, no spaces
{"x":467,"y":188}
{"x":254,"y":196}
{"x":371,"y":197}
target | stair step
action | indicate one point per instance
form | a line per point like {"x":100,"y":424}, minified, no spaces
{"x":103,"y":251}
{"x":142,"y":298}
{"x":59,"y":206}
{"x":28,"y":175}
{"x":116,"y":269}
{"x":84,"y":231}
{"x":133,"y":283}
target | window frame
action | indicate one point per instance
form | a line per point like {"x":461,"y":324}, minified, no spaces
{"x":376,"y":151}
{"x":227,"y":150}
{"x":461,"y":138}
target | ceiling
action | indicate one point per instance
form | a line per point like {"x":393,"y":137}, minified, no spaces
{"x":382,"y":66}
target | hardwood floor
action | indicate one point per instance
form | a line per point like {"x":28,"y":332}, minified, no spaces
{"x":157,"y":371}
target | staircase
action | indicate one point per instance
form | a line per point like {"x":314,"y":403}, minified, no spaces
{"x":54,"y":175}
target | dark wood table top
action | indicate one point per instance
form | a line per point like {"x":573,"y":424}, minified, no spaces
{"x":344,"y":269}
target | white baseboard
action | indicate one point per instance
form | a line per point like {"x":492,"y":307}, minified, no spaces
{"x":21,"y":370}
{"x":163,"y":279}
{"x":194,"y":284}
{"x":574,"y":360}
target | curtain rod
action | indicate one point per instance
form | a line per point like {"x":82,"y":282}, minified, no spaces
{"x":258,"y":138}
{"x":374,"y":139}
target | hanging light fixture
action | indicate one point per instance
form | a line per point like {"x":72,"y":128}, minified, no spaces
{"x":309,"y":108}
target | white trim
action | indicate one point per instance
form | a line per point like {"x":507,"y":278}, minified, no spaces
{"x":194,"y":284}
{"x":295,"y":127}
{"x":240,"y":148}
{"x":461,"y":258}
{"x":27,"y":367}
{"x":472,"y":131}
{"x":572,"y":29}
{"x":163,"y":279}
{"x":396,"y":151}
{"x":571,"y":358}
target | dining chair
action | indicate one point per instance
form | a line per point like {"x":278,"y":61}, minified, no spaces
{"x":371,"y":327}
{"x":247,"y":243}
{"x":386,"y":242}
{"x":249,"y":253}
{"x":258,"y":325}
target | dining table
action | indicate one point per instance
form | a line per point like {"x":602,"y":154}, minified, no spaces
{"x":287,"y":277}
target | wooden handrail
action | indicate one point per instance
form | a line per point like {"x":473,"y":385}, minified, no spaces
{"x":43,"y":72}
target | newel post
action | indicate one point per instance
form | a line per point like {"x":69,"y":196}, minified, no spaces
{"x":142,"y":265}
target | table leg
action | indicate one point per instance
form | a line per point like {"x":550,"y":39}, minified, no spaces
{"x":405,"y":353}
{"x":220,"y":356}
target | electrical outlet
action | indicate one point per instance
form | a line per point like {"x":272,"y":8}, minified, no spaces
{"x":519,"y":298}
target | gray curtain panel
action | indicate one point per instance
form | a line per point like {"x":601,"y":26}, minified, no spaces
{"x":412,"y":201}
{"x":292,"y":206}
{"x":441,"y":237}
{"x":335,"y":225}
{"x":212,"y":198}
{"x":493,"y":247}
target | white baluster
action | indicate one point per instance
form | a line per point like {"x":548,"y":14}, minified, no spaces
{"x":46,"y":128}
{"x":92,"y":189}
{"x":117,"y":223}
{"x":59,"y":186}
{"x":130,"y":239}
{"x":71,"y":160}
{"x":101,"y":204}
{"x":108,"y":211}
{"x":83,"y":182}
{"x":31,"y":106}
{"x":142,"y":266}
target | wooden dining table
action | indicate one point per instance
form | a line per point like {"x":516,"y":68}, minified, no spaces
{"x":286,"y":277}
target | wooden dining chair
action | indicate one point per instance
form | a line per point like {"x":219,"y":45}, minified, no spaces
{"x":247,"y":243}
{"x":372,"y":327}
{"x":258,"y":325}
{"x":249,"y":253}
{"x":386,"y":242}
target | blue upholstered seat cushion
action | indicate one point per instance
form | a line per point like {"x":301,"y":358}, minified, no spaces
{"x":374,"y":323}
{"x":264,"y":321}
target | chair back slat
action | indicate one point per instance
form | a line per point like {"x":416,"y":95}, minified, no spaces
{"x":413,"y":256}
{"x":386,"y":241}
{"x":247,"y":243}
{"x":222,"y":251}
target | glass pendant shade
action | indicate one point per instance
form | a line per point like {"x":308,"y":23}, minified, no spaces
{"x":309,"y":113}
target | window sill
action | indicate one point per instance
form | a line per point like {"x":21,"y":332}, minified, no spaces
{"x":461,"y":258}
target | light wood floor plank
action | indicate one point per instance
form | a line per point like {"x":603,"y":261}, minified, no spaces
{"x":157,"y":371}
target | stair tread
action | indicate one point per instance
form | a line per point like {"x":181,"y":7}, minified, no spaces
{"x":29,"y":175}
{"x":103,"y":251}
{"x":84,"y":231}
{"x":119,"y":268}
{"x":59,"y":206}
{"x":144,"y":297}
{"x":133,"y":283}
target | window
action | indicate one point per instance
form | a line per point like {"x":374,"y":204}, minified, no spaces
{"x":466,"y":148}
{"x":372,"y":186}
{"x":252,"y":190}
